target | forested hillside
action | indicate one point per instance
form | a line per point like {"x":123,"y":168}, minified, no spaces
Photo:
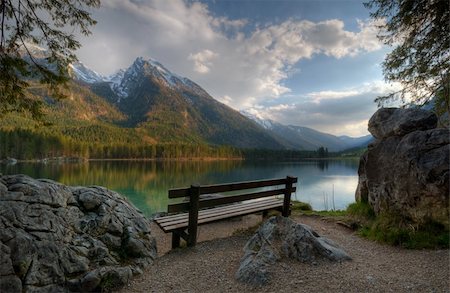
{"x":144,"y":112}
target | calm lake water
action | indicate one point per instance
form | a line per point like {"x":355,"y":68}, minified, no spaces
{"x":325,"y":184}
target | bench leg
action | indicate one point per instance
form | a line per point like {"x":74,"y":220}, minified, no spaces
{"x":265,"y":214}
{"x":175,"y":239}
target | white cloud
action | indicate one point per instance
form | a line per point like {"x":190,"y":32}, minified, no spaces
{"x":242,"y":68}
{"x":214,"y":51}
{"x":203,"y":60}
{"x":324,"y":95}
{"x":226,"y":100}
{"x":343,"y":112}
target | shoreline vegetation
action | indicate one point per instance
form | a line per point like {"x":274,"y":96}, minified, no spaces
{"x":10,"y":160}
{"x":27,"y":145}
{"x":384,"y":228}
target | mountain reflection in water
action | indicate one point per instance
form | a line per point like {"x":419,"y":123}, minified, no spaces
{"x":325,"y":184}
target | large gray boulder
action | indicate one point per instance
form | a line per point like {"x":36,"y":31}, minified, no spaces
{"x":281,"y":237}
{"x":387,"y":122}
{"x":57,"y":238}
{"x":406,"y":170}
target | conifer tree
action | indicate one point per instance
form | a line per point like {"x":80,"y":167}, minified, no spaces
{"x":420,"y":61}
{"x":47,"y":23}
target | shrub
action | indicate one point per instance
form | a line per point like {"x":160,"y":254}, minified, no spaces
{"x":300,"y":206}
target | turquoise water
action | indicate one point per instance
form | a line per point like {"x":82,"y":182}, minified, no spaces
{"x":325,"y":184}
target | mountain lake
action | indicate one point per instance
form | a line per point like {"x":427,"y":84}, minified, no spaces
{"x":325,"y":184}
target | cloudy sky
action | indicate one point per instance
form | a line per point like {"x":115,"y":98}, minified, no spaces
{"x":313,"y":63}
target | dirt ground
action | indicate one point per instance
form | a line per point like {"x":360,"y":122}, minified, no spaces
{"x":211,"y":265}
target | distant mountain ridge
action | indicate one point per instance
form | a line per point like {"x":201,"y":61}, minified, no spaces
{"x":299,"y":137}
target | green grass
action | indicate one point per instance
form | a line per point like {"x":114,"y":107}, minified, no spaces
{"x":394,"y":230}
{"x":300,"y":206}
{"x":361,"y":209}
{"x":336,"y":213}
{"x":389,"y":228}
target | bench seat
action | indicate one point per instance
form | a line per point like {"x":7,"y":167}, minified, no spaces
{"x":181,"y":221}
{"x":209,"y":203}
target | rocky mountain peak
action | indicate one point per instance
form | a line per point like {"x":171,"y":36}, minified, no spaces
{"x":82,"y":73}
{"x":124,"y":80}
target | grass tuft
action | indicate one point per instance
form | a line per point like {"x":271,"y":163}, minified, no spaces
{"x":300,"y":206}
{"x":394,"y":229}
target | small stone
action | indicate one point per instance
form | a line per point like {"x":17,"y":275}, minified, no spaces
{"x":370,"y":279}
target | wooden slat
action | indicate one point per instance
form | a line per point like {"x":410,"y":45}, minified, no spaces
{"x":239,"y":213}
{"x":221,"y":210}
{"x":178,"y":207}
{"x":207,"y":189}
{"x":218,"y":217}
{"x":179,"y":192}
{"x":207,"y":202}
{"x":208,"y":211}
{"x":240,"y":186}
{"x":211,"y":202}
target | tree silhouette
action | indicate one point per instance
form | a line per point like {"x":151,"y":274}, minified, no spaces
{"x":24,"y":24}
{"x":420,"y":61}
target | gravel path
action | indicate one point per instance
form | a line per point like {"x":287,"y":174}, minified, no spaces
{"x":211,"y":265}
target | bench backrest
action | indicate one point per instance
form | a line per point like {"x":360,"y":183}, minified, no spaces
{"x":284,"y":186}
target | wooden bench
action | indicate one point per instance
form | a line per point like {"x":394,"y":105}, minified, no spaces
{"x":198,"y":210}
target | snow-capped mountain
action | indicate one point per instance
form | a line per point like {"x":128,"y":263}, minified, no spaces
{"x":121,"y":82}
{"x":116,"y":78}
{"x":77,"y":70}
{"x":265,"y":123}
{"x":149,"y":67}
{"x":125,"y":81}
{"x":308,"y":138}
{"x":172,"y":107}
{"x":82,"y":73}
{"x":147,"y":91}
